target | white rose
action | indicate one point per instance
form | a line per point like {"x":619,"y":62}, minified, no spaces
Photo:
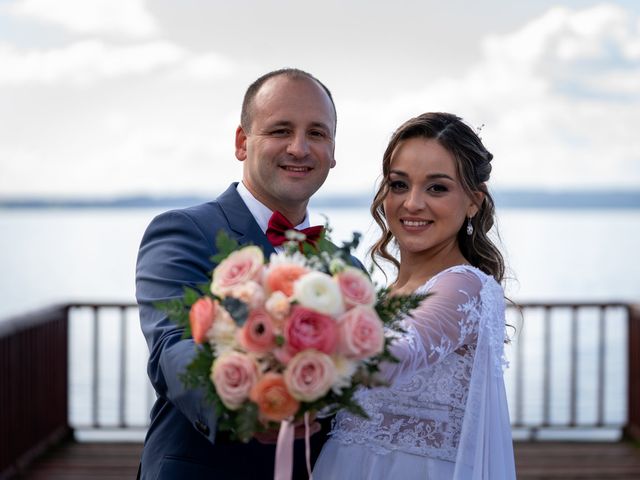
{"x":318,"y":291}
{"x":345,"y":369}
{"x":222,"y":334}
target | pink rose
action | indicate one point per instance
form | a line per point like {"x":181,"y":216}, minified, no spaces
{"x":257,"y":335}
{"x":201,"y":317}
{"x":309,"y":375}
{"x":356,"y":287}
{"x":241,"y":266}
{"x":361,"y":333}
{"x":234,"y":374}
{"x":307,"y":328}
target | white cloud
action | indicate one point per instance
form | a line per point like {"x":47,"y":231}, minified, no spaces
{"x":560,"y":98}
{"x":120,"y":17}
{"x":87,"y":61}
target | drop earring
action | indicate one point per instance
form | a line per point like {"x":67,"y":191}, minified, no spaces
{"x":469,"y":226}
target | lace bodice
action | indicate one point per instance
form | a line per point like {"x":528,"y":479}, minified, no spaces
{"x":423,"y":410}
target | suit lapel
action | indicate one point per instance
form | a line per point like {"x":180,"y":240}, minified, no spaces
{"x":241,"y":222}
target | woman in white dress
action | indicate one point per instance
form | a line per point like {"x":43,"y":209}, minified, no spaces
{"x":444,"y":415}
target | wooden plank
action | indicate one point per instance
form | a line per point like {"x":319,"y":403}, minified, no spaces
{"x":534,"y":460}
{"x":99,"y":461}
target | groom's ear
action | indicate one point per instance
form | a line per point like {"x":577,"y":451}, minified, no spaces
{"x":241,"y":143}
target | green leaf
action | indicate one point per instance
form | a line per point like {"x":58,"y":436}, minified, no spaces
{"x":246,"y":421}
{"x":197,"y":373}
{"x":176,"y":311}
{"x":191,"y":296}
{"x":225,"y":245}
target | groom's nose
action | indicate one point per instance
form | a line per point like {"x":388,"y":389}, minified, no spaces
{"x":298,"y":145}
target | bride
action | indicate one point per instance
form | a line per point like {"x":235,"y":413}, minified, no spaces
{"x":444,"y":415}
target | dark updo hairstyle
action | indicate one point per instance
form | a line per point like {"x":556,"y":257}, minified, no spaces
{"x":473,"y":166}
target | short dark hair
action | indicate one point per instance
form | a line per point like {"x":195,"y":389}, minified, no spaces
{"x":250,"y":95}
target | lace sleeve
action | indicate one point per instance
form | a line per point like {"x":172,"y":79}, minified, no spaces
{"x":443,"y":323}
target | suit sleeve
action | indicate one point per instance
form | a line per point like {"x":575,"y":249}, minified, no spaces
{"x":174,"y":253}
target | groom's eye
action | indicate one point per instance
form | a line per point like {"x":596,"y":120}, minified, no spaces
{"x":317,"y":134}
{"x":280,"y":132}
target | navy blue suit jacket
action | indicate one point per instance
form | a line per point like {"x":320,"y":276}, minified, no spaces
{"x":181,"y":441}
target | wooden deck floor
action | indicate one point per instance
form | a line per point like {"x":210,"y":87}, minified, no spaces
{"x":544,"y":460}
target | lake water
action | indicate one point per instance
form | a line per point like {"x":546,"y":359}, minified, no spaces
{"x":51,"y":256}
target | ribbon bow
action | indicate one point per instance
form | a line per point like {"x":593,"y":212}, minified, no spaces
{"x":279,"y":225}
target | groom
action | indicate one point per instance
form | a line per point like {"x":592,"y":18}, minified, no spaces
{"x":286,"y":143}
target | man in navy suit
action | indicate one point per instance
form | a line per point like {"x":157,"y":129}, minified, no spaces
{"x":286,"y":143}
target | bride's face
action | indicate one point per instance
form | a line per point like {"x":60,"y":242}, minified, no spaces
{"x":426,"y":205}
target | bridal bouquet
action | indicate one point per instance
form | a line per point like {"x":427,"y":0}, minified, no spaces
{"x":280,"y":339}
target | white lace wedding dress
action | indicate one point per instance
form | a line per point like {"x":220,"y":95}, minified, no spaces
{"x":445,"y":414}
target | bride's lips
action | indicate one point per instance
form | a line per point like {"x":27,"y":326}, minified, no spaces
{"x":414,"y":224}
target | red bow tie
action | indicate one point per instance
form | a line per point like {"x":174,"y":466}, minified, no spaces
{"x":278,"y":225}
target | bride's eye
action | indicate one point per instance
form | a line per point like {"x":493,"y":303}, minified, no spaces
{"x":438,"y":188}
{"x":397,"y":185}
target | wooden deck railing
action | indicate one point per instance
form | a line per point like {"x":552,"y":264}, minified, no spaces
{"x":631,"y":430}
{"x":33,"y":386}
{"x":53,"y":363}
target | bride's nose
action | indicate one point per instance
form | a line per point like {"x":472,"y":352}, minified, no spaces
{"x":414,"y":201}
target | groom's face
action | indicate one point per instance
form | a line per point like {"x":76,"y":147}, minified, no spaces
{"x":289,"y":148}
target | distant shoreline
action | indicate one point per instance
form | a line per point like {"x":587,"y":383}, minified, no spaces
{"x":529,"y":199}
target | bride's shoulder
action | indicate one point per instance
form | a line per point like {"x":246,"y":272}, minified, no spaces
{"x":459,"y":275}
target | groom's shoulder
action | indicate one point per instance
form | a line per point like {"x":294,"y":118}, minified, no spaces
{"x":192,"y":219}
{"x":208,"y":213}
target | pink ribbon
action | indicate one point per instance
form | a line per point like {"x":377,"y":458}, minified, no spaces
{"x":284,"y":449}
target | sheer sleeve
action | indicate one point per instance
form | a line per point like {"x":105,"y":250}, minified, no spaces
{"x":445,"y":321}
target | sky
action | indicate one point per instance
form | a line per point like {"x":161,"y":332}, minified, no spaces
{"x":133,"y":97}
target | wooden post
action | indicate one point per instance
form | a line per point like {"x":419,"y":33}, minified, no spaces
{"x":631,"y":430}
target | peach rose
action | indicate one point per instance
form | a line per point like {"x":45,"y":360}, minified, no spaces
{"x":250,"y":293}
{"x":274,"y":401}
{"x":257,"y":335}
{"x":356,"y":287}
{"x":309,"y":375}
{"x":234,"y":374}
{"x":307,"y":328}
{"x":241,"y":266}
{"x":281,"y":277}
{"x":361,"y":333}
{"x":201,"y":317}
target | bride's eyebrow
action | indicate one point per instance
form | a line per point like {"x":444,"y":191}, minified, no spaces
{"x":435,"y":176}
{"x":432,"y":176}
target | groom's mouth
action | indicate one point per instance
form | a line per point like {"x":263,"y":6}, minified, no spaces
{"x":296,"y":170}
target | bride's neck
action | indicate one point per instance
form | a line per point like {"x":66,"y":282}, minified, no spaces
{"x":416,"y":270}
